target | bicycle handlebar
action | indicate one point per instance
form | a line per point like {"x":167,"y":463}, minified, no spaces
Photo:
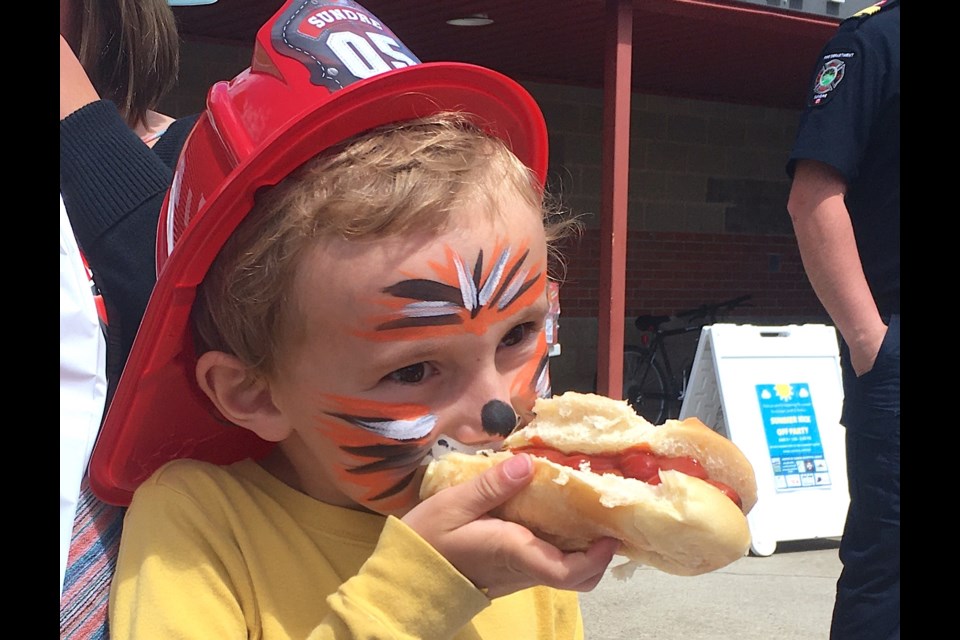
{"x":691,"y":317}
{"x":710,"y":310}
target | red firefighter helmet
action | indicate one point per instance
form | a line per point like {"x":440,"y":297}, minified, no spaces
{"x":321,"y":72}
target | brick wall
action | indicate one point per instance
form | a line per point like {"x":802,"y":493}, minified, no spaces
{"x":668,"y":271}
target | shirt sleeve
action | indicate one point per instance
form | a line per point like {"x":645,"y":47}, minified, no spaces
{"x":406,"y":590}
{"x":842,"y":103}
{"x":113,"y":186}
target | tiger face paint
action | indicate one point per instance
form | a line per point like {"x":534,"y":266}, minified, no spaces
{"x":379,"y":448}
{"x":407,"y":340}
{"x":460,"y":297}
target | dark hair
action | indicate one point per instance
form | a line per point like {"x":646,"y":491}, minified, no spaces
{"x":130,"y":50}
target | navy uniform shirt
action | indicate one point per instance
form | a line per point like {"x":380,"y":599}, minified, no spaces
{"x":851,"y":121}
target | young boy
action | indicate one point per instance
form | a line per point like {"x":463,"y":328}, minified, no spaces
{"x":357,"y":281}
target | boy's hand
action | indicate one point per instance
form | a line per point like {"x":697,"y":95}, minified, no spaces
{"x":498,"y":556}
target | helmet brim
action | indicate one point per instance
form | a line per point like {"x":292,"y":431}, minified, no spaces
{"x":158,"y":412}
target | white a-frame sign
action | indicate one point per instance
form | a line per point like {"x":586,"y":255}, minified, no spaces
{"x":776,"y":392}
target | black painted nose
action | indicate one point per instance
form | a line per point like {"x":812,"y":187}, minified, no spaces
{"x":498,"y":418}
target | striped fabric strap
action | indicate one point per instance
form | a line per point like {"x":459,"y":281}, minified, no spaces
{"x":90,"y":566}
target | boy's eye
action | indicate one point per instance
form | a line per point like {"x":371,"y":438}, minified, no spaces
{"x":409,"y":375}
{"x":517,"y":334}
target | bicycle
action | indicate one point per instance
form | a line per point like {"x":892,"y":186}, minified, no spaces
{"x":649,"y":382}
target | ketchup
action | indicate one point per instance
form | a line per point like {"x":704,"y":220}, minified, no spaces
{"x":638,"y":463}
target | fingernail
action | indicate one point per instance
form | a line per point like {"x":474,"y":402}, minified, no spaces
{"x":517,"y":467}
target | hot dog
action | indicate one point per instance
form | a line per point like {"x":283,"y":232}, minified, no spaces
{"x":675,"y":495}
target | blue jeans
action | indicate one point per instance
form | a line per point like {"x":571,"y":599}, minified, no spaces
{"x":868,"y":591}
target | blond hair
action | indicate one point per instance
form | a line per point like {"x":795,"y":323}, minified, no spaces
{"x":388,"y":182}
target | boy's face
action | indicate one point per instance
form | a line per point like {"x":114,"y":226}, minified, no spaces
{"x":407,"y":341}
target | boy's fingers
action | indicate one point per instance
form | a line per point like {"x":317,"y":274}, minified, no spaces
{"x":541,"y":563}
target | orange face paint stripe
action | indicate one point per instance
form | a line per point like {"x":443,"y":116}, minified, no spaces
{"x":374,"y":409}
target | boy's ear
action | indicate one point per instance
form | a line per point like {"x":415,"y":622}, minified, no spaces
{"x":243,"y":398}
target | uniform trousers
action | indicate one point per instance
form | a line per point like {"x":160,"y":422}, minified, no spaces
{"x":868,"y":590}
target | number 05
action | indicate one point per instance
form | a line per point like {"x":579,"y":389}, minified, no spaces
{"x":362,"y":59}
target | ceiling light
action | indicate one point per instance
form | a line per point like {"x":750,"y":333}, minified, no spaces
{"x":474,"y":20}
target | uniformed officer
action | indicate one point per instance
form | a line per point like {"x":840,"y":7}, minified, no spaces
{"x":845,"y":207}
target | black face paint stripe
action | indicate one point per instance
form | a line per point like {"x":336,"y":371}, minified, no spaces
{"x":426,"y":290}
{"x":544,"y":361}
{"x":477,"y":275}
{"x":397,"y":488}
{"x":526,"y":285}
{"x":384,"y":450}
{"x":426,"y":321}
{"x":389,"y":462}
{"x":508,"y":278}
{"x":498,"y":418}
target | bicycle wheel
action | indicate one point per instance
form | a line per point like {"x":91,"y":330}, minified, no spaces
{"x":644,"y":384}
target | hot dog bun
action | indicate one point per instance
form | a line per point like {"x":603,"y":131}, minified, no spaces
{"x":682,"y":526}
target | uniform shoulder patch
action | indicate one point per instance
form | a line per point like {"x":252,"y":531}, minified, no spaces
{"x":829,"y":77}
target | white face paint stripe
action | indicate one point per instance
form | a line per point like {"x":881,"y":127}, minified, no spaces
{"x":401,"y":429}
{"x":429,"y":308}
{"x":468,"y":291}
{"x":543,"y":383}
{"x":491,"y":285}
{"x":511,"y":292}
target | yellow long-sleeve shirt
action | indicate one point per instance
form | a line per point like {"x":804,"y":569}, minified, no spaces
{"x":218,"y":553}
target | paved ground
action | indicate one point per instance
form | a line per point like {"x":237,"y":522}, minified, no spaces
{"x":784,"y":596}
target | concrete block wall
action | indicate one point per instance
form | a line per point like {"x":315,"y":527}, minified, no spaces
{"x":707,"y":213}
{"x":707,"y":217}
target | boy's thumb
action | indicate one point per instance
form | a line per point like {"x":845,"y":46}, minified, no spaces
{"x":498,"y":484}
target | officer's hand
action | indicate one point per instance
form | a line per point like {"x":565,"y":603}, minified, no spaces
{"x":863,"y":352}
